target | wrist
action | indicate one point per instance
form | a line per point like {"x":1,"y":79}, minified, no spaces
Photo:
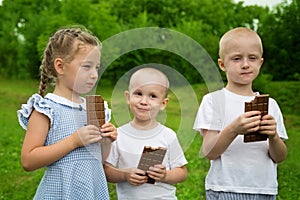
{"x":230,"y":130}
{"x":75,"y":140}
{"x":125,"y":175}
{"x":274,"y":137}
{"x":165,"y":178}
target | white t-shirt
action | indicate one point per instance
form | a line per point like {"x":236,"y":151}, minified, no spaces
{"x":243,"y":167}
{"x":126,"y":152}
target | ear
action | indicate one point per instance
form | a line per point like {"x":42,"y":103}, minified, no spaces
{"x":59,"y":66}
{"x":164,"y":104}
{"x":262,"y":61}
{"x":127,"y":96}
{"x":221,"y":65}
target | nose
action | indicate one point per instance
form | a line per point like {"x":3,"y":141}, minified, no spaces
{"x":94,"y":73}
{"x":144,"y":100}
{"x":245,"y":63}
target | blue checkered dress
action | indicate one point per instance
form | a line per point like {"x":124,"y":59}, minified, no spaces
{"x":79,"y":174}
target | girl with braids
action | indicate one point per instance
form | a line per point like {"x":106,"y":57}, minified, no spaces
{"x":57,"y":136}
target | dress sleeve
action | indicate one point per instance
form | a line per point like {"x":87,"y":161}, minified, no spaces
{"x":35,"y":102}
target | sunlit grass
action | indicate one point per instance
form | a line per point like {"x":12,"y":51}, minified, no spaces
{"x":18,"y":184}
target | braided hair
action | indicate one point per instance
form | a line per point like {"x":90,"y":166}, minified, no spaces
{"x":61,"y":45}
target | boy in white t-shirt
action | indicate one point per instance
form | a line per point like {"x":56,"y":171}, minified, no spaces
{"x":147,"y":95}
{"x":240,"y":170}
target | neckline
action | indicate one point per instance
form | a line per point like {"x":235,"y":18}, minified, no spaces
{"x":238,"y":95}
{"x":67,"y":102}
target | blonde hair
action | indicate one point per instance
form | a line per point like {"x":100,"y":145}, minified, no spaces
{"x":62,"y":45}
{"x":150,"y":75}
{"x":234,"y":33}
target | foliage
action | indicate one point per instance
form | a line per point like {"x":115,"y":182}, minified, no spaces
{"x":26,"y":25}
{"x":280,"y":34}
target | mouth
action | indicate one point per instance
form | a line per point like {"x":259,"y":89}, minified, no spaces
{"x":143,"y":109}
{"x":90,"y":84}
{"x":246,"y":73}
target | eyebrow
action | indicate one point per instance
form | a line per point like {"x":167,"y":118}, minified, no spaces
{"x":89,"y":62}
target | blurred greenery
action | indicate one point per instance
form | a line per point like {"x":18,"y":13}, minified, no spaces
{"x":26,"y":25}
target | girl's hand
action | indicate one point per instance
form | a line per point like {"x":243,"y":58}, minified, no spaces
{"x":158,"y":173}
{"x":268,"y":126}
{"x":136,"y":177}
{"x":86,"y":135}
{"x":110,"y":131}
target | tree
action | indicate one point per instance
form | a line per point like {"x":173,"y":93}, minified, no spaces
{"x":26,"y":25}
{"x":280,"y":34}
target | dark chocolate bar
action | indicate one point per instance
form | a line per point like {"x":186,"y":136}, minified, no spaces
{"x":151,"y":157}
{"x":95,"y":110}
{"x":260,"y":103}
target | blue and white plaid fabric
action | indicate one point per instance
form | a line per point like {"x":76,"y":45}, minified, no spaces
{"x":79,"y":174}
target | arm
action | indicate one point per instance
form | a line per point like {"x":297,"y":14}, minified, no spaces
{"x":109,"y":134}
{"x":277,"y":148}
{"x":215,"y":142}
{"x":35,"y":155}
{"x":133,"y":176}
{"x":173,"y":176}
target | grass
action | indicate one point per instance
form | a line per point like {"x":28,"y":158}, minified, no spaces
{"x":18,"y":184}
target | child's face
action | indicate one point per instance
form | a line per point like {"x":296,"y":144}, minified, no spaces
{"x":81,"y":73}
{"x":242,"y":60}
{"x":145,"y":101}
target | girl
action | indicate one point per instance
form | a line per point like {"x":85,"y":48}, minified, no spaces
{"x":56,"y":132}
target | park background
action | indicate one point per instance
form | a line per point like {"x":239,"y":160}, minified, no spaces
{"x":26,"y":25}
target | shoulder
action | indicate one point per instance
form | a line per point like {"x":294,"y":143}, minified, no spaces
{"x":124,"y":127}
{"x":215,"y":95}
{"x":272,"y":101}
{"x":213,"y":99}
{"x":37,"y":103}
{"x":274,"y":107}
{"x":167,"y":132}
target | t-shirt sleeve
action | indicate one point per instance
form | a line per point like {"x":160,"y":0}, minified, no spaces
{"x":276,"y":113}
{"x":175,"y":154}
{"x":35,"y":102}
{"x":209,"y":115}
{"x":113,"y":156}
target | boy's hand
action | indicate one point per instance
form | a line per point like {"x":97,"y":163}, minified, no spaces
{"x":246,"y":123}
{"x":109,"y":130}
{"x":136,"y":177}
{"x":268,"y":126}
{"x":158,"y":173}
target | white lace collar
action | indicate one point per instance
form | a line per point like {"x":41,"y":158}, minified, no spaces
{"x":67,"y":102}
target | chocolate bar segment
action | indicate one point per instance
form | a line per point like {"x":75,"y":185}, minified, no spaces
{"x":151,"y":157}
{"x":95,"y":110}
{"x":260,"y":103}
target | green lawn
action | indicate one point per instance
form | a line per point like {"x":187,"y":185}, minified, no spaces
{"x":18,"y":184}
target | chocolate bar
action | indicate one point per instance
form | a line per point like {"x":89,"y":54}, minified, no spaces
{"x":151,"y":157}
{"x":95,"y":110}
{"x":260,"y":103}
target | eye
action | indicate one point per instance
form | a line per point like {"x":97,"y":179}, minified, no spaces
{"x":236,"y":58}
{"x":137,"y":93}
{"x":87,"y":66}
{"x":153,"y":96}
{"x":253,"y":58}
{"x":98,"y":67}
